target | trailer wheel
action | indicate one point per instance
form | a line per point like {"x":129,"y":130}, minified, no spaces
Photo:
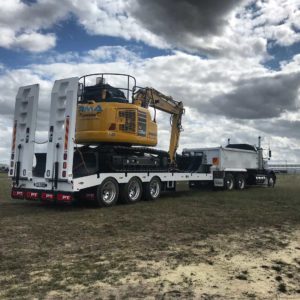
{"x":132,"y":191}
{"x":271,"y":180}
{"x":152,"y":189}
{"x":229,"y":182}
{"x":240,"y":182}
{"x":107,"y":193}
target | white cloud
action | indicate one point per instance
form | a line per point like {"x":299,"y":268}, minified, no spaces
{"x":236,"y":29}
{"x":35,"y":42}
{"x":276,"y":20}
{"x":111,"y":53}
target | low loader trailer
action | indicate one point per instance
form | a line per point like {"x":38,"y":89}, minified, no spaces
{"x":67,"y":172}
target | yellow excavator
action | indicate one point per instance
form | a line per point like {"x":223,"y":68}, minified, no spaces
{"x":117,"y":121}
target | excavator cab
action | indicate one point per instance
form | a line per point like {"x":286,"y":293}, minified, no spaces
{"x":108,"y":114}
{"x":103,"y":92}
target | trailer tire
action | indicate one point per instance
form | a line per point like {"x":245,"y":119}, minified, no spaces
{"x":107,"y":193}
{"x":152,"y":189}
{"x":131,"y":192}
{"x":240,"y":182}
{"x":271,"y":180}
{"x":229,"y":182}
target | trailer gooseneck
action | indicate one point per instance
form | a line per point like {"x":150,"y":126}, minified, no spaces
{"x":67,"y":171}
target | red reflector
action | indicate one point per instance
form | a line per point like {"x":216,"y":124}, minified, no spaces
{"x":64,"y":173}
{"x":112,"y":126}
{"x":65,"y":156}
{"x":32,"y":195}
{"x":47,"y":196}
{"x":90,"y":196}
{"x":17,"y":194}
{"x":64,"y":197}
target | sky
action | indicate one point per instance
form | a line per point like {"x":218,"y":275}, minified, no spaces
{"x":233,"y":63}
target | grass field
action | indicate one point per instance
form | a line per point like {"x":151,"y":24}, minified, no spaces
{"x":199,"y":244}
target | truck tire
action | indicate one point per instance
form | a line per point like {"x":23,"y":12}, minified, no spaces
{"x":152,"y":189}
{"x":240,"y":182}
{"x":229,"y":182}
{"x":107,"y":193}
{"x":131,"y":192}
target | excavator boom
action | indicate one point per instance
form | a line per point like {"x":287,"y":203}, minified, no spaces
{"x":151,"y":97}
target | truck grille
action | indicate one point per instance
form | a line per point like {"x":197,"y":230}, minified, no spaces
{"x":218,"y":174}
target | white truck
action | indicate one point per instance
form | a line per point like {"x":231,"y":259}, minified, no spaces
{"x":51,"y":177}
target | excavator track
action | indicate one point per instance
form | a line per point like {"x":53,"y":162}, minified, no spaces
{"x":110,"y":158}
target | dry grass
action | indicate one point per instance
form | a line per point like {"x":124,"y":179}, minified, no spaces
{"x":201,"y":244}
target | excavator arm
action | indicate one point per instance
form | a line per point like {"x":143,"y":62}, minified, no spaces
{"x":150,"y":97}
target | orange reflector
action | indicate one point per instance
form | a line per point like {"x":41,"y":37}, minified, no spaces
{"x":215,"y":160}
{"x":65,"y":165}
{"x":14,"y":137}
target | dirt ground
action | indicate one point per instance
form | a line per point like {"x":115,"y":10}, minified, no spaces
{"x":194,"y":245}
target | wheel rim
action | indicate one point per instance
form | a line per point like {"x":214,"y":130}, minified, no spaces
{"x":134,"y":190}
{"x":271,"y":181}
{"x":229,"y":184}
{"x":109,"y":192}
{"x":241,"y":183}
{"x":154,"y":188}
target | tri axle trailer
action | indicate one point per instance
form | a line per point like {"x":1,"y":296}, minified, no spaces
{"x":67,"y":171}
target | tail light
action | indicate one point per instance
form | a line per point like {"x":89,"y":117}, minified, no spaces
{"x":17,"y":194}
{"x":47,"y":196}
{"x":32,"y":195}
{"x":64,"y":197}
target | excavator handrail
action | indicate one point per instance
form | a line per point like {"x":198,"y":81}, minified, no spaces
{"x":128,"y":89}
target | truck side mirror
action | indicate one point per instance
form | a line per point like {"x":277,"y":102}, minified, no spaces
{"x":270,"y":153}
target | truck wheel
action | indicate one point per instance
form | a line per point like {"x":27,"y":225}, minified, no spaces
{"x":240,"y":182}
{"x":229,"y":182}
{"x":152,"y":189}
{"x":132,"y":191}
{"x":107,"y":193}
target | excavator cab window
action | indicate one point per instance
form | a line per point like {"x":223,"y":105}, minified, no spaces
{"x":103,"y":93}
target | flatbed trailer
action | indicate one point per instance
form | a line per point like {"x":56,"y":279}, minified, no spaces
{"x":57,"y":183}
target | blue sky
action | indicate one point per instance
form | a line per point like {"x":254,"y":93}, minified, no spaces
{"x":234,"y":64}
{"x":72,"y":37}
